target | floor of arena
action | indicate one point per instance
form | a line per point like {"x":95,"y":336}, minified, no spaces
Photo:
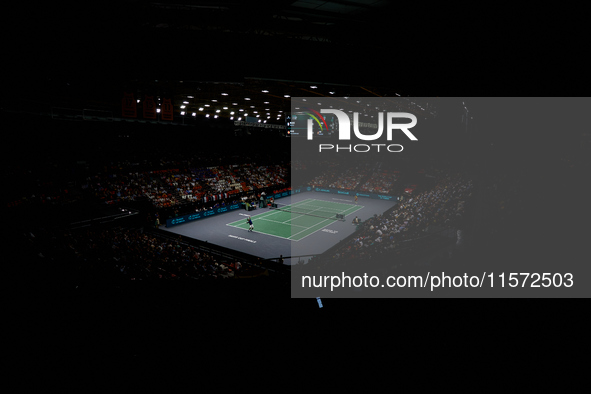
{"x":309,"y":227}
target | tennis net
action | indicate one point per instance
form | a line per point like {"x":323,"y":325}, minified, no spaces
{"x":311,"y":210}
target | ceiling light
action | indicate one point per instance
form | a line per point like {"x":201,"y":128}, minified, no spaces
{"x":185,"y":102}
{"x":314,"y":87}
{"x":217,"y":111}
{"x":182,"y":112}
{"x":182,"y":106}
{"x":200,"y":108}
{"x":265,"y":91}
{"x":247,"y":99}
{"x":224,"y":94}
{"x":286,"y":95}
{"x":193,"y":114}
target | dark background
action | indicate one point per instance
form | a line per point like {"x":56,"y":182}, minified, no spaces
{"x":93,"y":49}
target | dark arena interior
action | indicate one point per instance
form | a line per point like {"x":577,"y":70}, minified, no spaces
{"x":138,"y":140}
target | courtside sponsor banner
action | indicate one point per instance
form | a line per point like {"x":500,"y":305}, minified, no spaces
{"x":200,"y":215}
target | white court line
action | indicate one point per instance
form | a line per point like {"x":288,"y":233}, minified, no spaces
{"x":325,"y":226}
{"x":293,"y":235}
{"x":276,"y":236}
{"x":304,"y":214}
{"x":335,"y":212}
{"x":267,"y":215}
{"x":328,"y":208}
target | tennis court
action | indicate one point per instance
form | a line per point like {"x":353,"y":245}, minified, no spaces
{"x":298,"y":220}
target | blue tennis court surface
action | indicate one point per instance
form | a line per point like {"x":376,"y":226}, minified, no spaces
{"x":301,"y":227}
{"x":298,"y":220}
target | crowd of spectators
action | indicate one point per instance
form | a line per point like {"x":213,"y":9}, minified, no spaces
{"x":134,"y":254}
{"x":338,"y":176}
{"x":381,"y":181}
{"x":351,"y":177}
{"x":329,"y":173}
{"x":171,"y":187}
{"x":169,"y":183}
{"x":375,"y":177}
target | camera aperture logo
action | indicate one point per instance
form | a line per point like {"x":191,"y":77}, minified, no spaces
{"x":315,"y":115}
{"x":344,"y":132}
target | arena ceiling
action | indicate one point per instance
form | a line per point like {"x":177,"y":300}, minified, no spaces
{"x":195,"y":50}
{"x":96,"y":48}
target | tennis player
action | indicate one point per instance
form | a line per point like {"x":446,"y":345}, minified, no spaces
{"x":251,"y":226}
